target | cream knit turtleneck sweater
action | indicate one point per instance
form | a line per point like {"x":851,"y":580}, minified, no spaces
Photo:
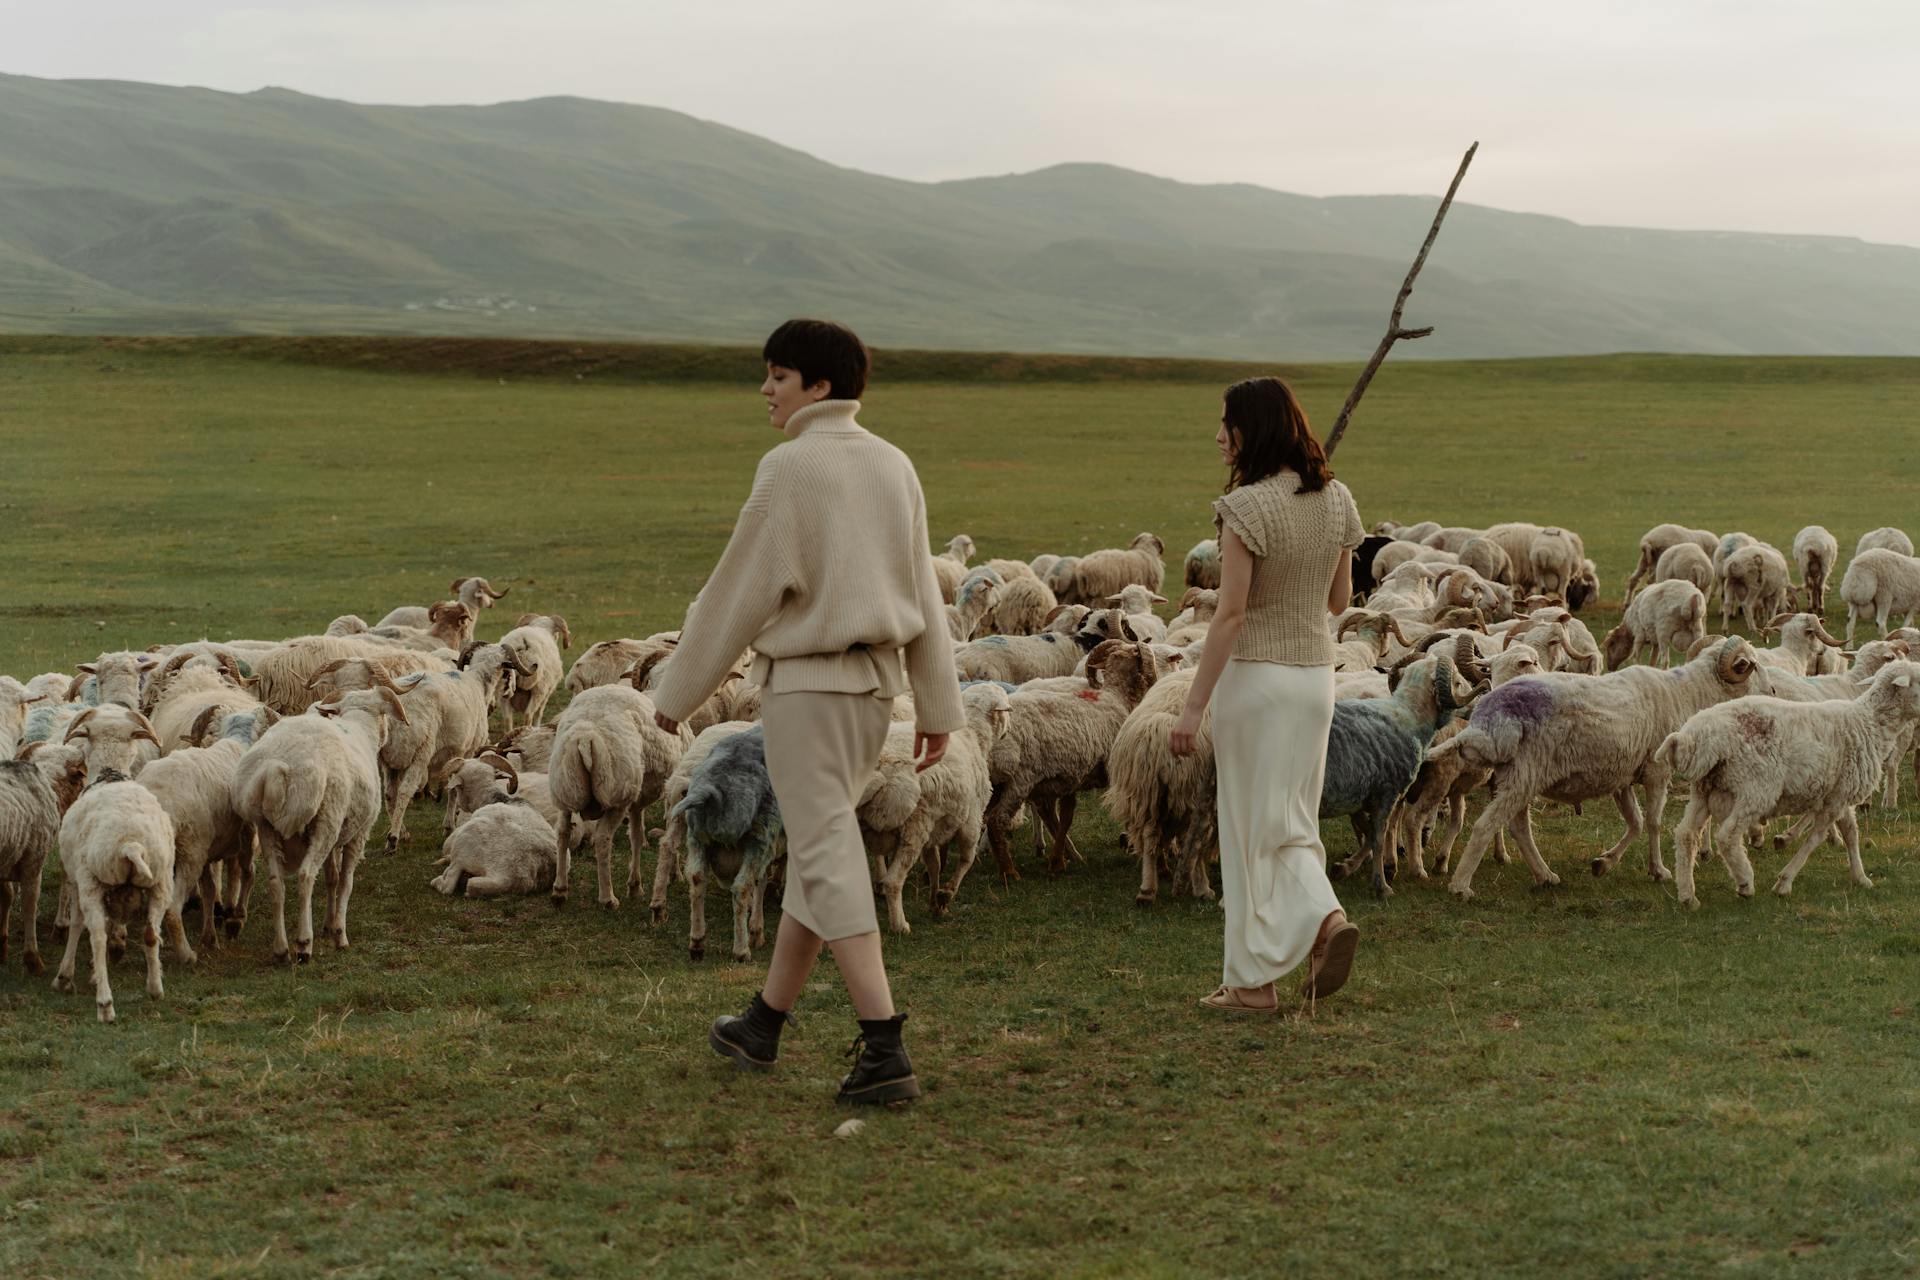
{"x":827,"y":576}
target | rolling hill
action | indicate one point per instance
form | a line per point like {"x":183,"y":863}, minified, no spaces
{"x":142,"y":208}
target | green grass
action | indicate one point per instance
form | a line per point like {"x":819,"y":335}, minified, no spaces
{"x":1587,"y":1081}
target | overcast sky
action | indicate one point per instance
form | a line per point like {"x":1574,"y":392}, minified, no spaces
{"x":1762,"y":115}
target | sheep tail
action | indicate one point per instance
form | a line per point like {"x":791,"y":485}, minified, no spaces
{"x":286,"y":799}
{"x":135,"y":855}
{"x":1679,"y":753}
{"x":1474,"y":746}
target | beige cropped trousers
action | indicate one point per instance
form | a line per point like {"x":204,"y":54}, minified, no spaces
{"x":821,"y":749}
{"x":1270,"y":724}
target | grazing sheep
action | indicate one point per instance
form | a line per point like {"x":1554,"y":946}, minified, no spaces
{"x":1042,"y":565}
{"x":1815,"y":553}
{"x":1686,"y":562}
{"x":1374,"y":749}
{"x":503,"y":847}
{"x":112,"y":678}
{"x":1408,"y":532}
{"x":116,"y":854}
{"x":310,"y":789}
{"x":1885,"y":538}
{"x":527,"y":747}
{"x":475,"y":593}
{"x":1880,"y":583}
{"x":1055,"y":651}
{"x":1203,"y":565}
{"x":732,"y":829}
{"x":535,"y":643}
{"x":1763,"y":758}
{"x":1755,"y":581}
{"x":1658,"y":541}
{"x":1488,"y":559}
{"x":1395,"y":554}
{"x":1103,"y":573}
{"x":1060,"y":579}
{"x":1668,"y":616}
{"x":1165,"y":803}
{"x":672,"y":838}
{"x":950,"y":566}
{"x":1575,"y":738}
{"x":1452,"y":538}
{"x":35,"y":793}
{"x":609,"y":761}
{"x":195,"y":787}
{"x":1057,"y":744}
{"x":607,"y":661}
{"x":183,"y":694}
{"x":449,"y":626}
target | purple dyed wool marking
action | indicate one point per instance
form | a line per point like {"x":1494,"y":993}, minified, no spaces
{"x":1527,"y":701}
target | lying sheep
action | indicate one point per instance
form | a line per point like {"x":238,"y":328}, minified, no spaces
{"x":1880,"y":583}
{"x":733,"y":830}
{"x":1202,"y":567}
{"x":1575,"y":738}
{"x":1764,"y":758}
{"x":491,"y":778}
{"x":1686,"y":562}
{"x":310,"y":789}
{"x":475,"y":593}
{"x":1815,"y":552}
{"x":535,"y":644}
{"x":35,"y":793}
{"x":116,"y":854}
{"x":950,"y":566}
{"x":1102,"y":573}
{"x":503,"y":847}
{"x":1055,"y":651}
{"x":609,"y":762}
{"x":1667,"y":617}
{"x":1658,"y":541}
{"x":194,"y":785}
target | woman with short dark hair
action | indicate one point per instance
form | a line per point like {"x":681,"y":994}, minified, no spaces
{"x":829,"y":578}
{"x":1287,"y":531}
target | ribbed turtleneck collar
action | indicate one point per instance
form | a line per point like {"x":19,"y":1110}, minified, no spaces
{"x":822,"y":414}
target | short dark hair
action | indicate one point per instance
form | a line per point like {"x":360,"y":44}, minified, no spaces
{"x":1274,"y":433}
{"x":821,"y":351}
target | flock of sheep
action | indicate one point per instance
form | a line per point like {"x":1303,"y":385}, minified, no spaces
{"x":163,"y":776}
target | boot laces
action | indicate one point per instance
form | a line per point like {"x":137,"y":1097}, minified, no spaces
{"x":858,"y":1047}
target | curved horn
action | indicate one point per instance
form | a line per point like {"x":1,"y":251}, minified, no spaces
{"x":466,"y":654}
{"x":1513,"y":634}
{"x":201,"y":723}
{"x":1393,"y":628}
{"x":393,"y":703}
{"x":501,"y":765}
{"x":1467,"y":658}
{"x":488,"y":588}
{"x":1777,"y":620}
{"x":1820,"y":629}
{"x":313,"y":681}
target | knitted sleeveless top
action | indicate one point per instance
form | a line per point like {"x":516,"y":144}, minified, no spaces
{"x":1297,"y":540}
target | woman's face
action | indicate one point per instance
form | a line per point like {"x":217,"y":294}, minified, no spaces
{"x":786,"y":393}
{"x":1228,"y":440}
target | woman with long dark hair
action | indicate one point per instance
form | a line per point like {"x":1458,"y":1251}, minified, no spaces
{"x":1287,"y":531}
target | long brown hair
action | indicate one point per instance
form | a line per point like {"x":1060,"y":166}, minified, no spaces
{"x":1274,"y":433}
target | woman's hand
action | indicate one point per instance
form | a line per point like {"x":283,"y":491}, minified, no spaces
{"x":1184,"y":732}
{"x":928,"y":748}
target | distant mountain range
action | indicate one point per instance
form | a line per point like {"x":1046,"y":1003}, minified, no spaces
{"x":142,"y":208}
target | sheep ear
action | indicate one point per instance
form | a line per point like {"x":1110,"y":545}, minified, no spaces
{"x":1114,"y":598}
{"x":1902,"y":680}
{"x":86,"y":668}
{"x":1157,"y":599}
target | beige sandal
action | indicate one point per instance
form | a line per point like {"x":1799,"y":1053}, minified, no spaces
{"x":1228,"y":1000}
{"x":1332,"y":957}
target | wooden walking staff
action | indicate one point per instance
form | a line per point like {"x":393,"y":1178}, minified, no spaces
{"x":1394,"y":331}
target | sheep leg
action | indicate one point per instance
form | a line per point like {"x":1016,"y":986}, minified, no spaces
{"x":697,"y":912}
{"x":1816,"y":832}
{"x":63,"y":976}
{"x":1374,"y":841}
{"x":603,"y":835}
{"x":1456,"y":819}
{"x":1685,"y":846}
{"x":30,"y":926}
{"x":177,"y":927}
{"x":93,"y":918}
{"x":1890,"y":794}
{"x":404,"y":788}
{"x":963,"y":859}
{"x":1653,"y":787}
{"x":758,"y":924}
{"x":487,"y":886}
{"x":1060,"y":821}
{"x":212,"y":909}
{"x":999,"y":817}
{"x":562,"y":858}
{"x":742,"y":914}
{"x":1149,"y":851}
{"x":270,"y":849}
{"x":637,"y":843}
{"x":343,"y":890}
{"x":150,"y":939}
{"x":239,"y":887}
{"x":1197,"y":882}
{"x":1850,"y":832}
{"x":1522,"y":829}
{"x":936,"y":864}
{"x":303,"y":935}
{"x":664,"y":867}
{"x":1731,"y":849}
{"x":1630,"y":811}
{"x":1510,"y":802}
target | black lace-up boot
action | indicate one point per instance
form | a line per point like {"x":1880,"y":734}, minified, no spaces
{"x":881,"y":1072}
{"x":752,"y":1040}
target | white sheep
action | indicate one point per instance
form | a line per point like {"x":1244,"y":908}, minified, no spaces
{"x":503,"y":847}
{"x":1202,"y":567}
{"x":1686,"y":562}
{"x":1885,"y":538}
{"x":1658,"y":541}
{"x":1805,"y":646}
{"x":1575,"y":738}
{"x":1054,"y":651}
{"x":116,"y":855}
{"x":1165,"y":803}
{"x":449,"y":626}
{"x":183,"y":693}
{"x":1100,"y":574}
{"x":310,"y":789}
{"x":609,"y":762}
{"x":35,"y":794}
{"x":1816,"y":553}
{"x":1879,"y":583}
{"x":491,"y":778}
{"x":475,"y":593}
{"x":973,"y":602}
{"x":1868,"y":661}
{"x":607,"y":661}
{"x":1136,"y":602}
{"x":15,"y":698}
{"x":1023,"y":606}
{"x":535,"y":643}
{"x":1755,"y":580}
{"x":195,"y":787}
{"x":950,"y":566}
{"x":1667,"y":617}
{"x":1488,"y":559}
{"x":1452,"y":538}
{"x":1763,"y":758}
{"x":284,"y":676}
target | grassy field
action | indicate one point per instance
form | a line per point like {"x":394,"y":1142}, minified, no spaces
{"x":1586,"y":1081}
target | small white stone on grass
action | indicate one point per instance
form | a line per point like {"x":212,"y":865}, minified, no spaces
{"x":848,"y":1128}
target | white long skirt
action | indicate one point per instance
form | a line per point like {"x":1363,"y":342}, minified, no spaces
{"x":1270,"y":724}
